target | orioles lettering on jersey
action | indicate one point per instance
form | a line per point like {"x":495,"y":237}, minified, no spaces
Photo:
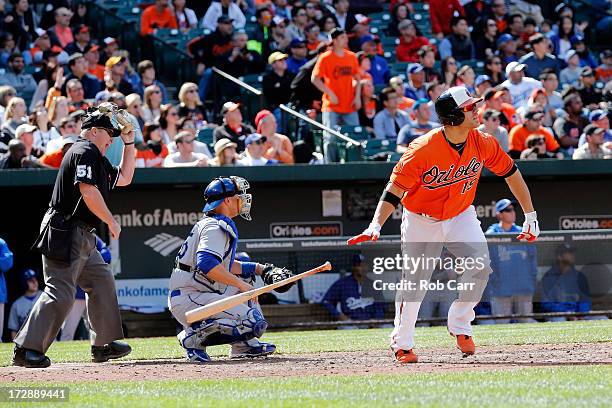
{"x":439,"y":181}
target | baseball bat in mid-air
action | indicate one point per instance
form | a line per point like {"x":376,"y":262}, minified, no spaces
{"x":218,"y":306}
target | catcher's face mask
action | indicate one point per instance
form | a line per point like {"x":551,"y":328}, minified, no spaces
{"x":245,"y":198}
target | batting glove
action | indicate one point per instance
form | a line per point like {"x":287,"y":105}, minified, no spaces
{"x":531,"y":228}
{"x":370,"y":234}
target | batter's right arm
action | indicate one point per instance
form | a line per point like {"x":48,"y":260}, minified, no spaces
{"x":388,"y":202}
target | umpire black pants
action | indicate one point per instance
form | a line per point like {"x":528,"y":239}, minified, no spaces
{"x":88,"y":270}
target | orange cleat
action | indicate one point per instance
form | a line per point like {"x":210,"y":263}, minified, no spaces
{"x":406,"y":356}
{"x":465,"y":343}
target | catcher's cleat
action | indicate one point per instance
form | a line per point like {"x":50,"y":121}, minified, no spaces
{"x":406,"y":356}
{"x":251,"y":348}
{"x":465,"y":343}
{"x":197,"y":356}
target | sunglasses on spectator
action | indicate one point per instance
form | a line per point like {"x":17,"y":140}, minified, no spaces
{"x":80,"y":88}
{"x":259,"y":142}
{"x":491,"y":25}
{"x":508,"y":209}
{"x":301,"y":14}
{"x":156,"y":92}
{"x":495,"y":62}
{"x":188,"y":141}
{"x":451,"y":63}
{"x":173,"y":114}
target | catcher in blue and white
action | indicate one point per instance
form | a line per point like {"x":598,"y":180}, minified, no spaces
{"x":206,"y":270}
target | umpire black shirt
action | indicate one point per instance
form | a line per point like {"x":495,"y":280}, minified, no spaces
{"x":82,"y":163}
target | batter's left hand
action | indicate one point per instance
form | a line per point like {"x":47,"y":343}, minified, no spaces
{"x":531,"y":228}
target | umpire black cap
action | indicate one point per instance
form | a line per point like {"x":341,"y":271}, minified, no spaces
{"x":449,"y":106}
{"x":97,"y":119}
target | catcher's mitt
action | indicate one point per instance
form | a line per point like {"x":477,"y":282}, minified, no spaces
{"x":272,"y":274}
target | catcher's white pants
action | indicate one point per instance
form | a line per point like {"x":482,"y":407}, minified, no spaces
{"x":423,"y":236}
{"x":72,"y":320}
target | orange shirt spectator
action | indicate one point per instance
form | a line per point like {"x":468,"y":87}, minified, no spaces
{"x":146,"y":158}
{"x":519,"y":134}
{"x":337,"y":73}
{"x":157,"y":16}
{"x":97,"y":71}
{"x":52,"y":159}
{"x":405,"y":103}
{"x":441,"y":13}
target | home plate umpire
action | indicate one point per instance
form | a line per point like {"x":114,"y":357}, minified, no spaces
{"x":68,"y":245}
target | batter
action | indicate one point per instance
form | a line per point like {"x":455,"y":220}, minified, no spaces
{"x":435,"y":180}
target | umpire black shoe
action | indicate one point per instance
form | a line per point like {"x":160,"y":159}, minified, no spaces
{"x":110,"y":351}
{"x":29,"y":358}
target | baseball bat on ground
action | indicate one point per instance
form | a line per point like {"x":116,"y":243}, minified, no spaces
{"x":218,"y":306}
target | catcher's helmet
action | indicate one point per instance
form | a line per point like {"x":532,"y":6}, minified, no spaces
{"x":224,"y":187}
{"x":449,"y":105}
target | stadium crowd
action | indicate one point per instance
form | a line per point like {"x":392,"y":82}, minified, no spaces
{"x":546,"y":91}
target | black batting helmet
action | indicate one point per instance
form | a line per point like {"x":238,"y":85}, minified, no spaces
{"x":449,"y":106}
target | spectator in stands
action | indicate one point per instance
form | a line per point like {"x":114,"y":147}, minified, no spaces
{"x":420,"y":126}
{"x":303,"y":154}
{"x":586,"y":58}
{"x":379,"y":69}
{"x":58,"y":110}
{"x":458,"y":44}
{"x":515,"y":269}
{"x":403,"y":103}
{"x":156,"y":150}
{"x":539,"y":59}
{"x":157,"y":15}
{"x":499,"y":13}
{"x":147,"y":74}
{"x":427,"y":58}
{"x":409,"y":43}
{"x":442,"y":13}
{"x":190,"y":105}
{"x":25,"y":133}
{"x":21,"y":308}
{"x":67,"y":127}
{"x":416,"y":87}
{"x":278,"y":146}
{"x":185,"y":156}
{"x":92,"y":56}
{"x":333,"y":74}
{"x":400,"y":13}
{"x":152,"y":103}
{"x":21,"y":23}
{"x":485,"y":46}
{"x":570,"y":75}
{"x":520,"y":87}
{"x":81,"y":40}
{"x":134,"y":107}
{"x":481,"y":84}
{"x":348,"y":293}
{"x":594,"y":148}
{"x":233,"y":128}
{"x":14,"y":157}
{"x":223,"y":8}
{"x":344,"y":18}
{"x":7,"y":92}
{"x":76,"y":101}
{"x":600,"y":119}
{"x":110,"y":47}
{"x":466,"y":78}
{"x":569,"y":126}
{"x":539,"y":101}
{"x":563,"y":288}
{"x":364,"y":66}
{"x":41,"y":43}
{"x":279,"y":38}
{"x":298,"y":51}
{"x":369,"y":105}
{"x":14,"y":115}
{"x":449,"y":71}
{"x":389,"y":121}
{"x":276,"y":81}
{"x":239,"y":61}
{"x":590,"y":95}
{"x":493,"y":69}
{"x":327,"y":24}
{"x":535,"y":148}
{"x":562,"y":42}
{"x":551,"y":83}
{"x":16,"y":77}
{"x":491,"y":125}
{"x":260,"y":39}
{"x":78,"y":69}
{"x":168,"y":119}
{"x":54,"y":159}
{"x":7,"y":48}
{"x":186,"y":18}
{"x":506,"y":45}
{"x":434,"y":90}
{"x":299,"y":21}
{"x":311,"y":32}
{"x":116,"y":67}
{"x":493,"y":100}
{"x":281,"y":8}
{"x":254,"y":153}
{"x":43,"y":133}
{"x":61,"y":33}
{"x":603,"y":72}
{"x":225,"y":154}
{"x":532,"y":126}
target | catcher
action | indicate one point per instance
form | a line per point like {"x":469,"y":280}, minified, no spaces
{"x":206,"y":271}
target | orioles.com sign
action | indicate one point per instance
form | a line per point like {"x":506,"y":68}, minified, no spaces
{"x":305,"y":229}
{"x":582,"y":222}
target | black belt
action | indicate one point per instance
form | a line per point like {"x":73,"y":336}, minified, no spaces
{"x":84,"y":226}
{"x":182,"y":267}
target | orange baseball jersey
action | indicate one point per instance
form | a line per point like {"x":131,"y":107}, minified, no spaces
{"x":441,"y":183}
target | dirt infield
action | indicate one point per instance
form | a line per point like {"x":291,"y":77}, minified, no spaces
{"x":321,"y":364}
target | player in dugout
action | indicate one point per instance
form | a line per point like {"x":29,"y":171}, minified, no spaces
{"x":435,"y":180}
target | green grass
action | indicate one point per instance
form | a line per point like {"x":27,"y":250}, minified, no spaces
{"x":353,"y":340}
{"x":538,"y":387}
